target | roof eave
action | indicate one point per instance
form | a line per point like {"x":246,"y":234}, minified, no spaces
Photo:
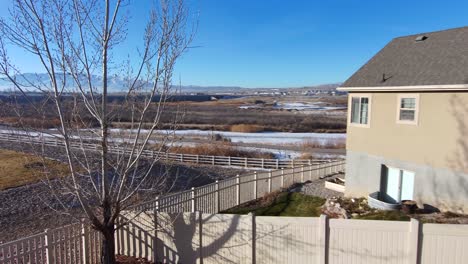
{"x":412,"y":88}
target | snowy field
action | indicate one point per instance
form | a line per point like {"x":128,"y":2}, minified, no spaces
{"x":319,"y":106}
{"x":274,"y":138}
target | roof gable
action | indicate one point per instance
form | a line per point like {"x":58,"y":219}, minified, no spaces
{"x":439,"y":59}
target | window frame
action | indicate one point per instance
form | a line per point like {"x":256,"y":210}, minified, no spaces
{"x":416,"y":109}
{"x":369,"y":109}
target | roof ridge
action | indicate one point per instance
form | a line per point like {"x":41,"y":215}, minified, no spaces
{"x":431,"y":32}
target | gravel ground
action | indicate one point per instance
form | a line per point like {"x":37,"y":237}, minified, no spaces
{"x":24,"y":210}
{"x":317,"y":188}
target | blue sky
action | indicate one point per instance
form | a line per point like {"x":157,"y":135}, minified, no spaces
{"x":273,"y":43}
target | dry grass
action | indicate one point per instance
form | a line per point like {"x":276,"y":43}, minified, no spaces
{"x":17,"y":169}
{"x":311,"y":144}
{"x":221,"y":149}
{"x":307,"y":156}
{"x":31,"y":122}
{"x":245,"y":128}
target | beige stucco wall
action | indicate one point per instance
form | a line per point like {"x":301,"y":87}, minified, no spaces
{"x":440,"y":139}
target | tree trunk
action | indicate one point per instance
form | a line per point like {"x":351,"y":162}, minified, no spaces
{"x":108,"y":246}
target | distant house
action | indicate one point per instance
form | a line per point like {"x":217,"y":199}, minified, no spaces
{"x":408,"y":122}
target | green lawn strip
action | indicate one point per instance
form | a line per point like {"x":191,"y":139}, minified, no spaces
{"x":385,"y":215}
{"x":285,"y":204}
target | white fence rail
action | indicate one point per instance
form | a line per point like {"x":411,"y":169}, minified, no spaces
{"x":178,"y":157}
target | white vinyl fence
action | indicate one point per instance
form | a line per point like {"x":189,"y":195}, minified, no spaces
{"x":222,"y":238}
{"x":225,"y":194}
{"x":177,"y":157}
{"x":76,"y":243}
{"x":225,"y":238}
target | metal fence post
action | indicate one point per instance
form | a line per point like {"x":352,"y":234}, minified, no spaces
{"x":263,"y":163}
{"x":217,"y":196}
{"x":269,"y":181}
{"x":48,"y":246}
{"x":193,"y":200}
{"x":246,"y":161}
{"x":237,"y":189}
{"x":213,"y":160}
{"x":198,"y":159}
{"x":255,"y":185}
{"x":229,"y":160}
{"x":277,"y":163}
{"x":182,"y":157}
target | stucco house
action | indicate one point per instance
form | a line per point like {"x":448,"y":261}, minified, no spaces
{"x":407,"y":132}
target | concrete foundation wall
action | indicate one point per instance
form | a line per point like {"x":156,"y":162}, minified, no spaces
{"x":442,"y":188}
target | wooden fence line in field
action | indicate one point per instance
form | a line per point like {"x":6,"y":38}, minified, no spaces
{"x":80,"y":244}
{"x":177,"y":157}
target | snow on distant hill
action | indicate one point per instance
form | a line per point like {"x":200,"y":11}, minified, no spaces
{"x":118,"y":84}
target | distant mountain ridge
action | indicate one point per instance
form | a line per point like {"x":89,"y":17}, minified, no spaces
{"x":118,"y":84}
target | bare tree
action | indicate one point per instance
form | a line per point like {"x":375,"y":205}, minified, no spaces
{"x":74,"y":41}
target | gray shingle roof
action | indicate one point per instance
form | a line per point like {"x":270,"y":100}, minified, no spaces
{"x":442,"y":58}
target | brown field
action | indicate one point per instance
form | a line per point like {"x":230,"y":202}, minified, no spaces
{"x":18,"y":169}
{"x":222,"y":115}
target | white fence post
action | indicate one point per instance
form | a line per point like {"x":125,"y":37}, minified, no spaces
{"x":282,"y":178}
{"x":200,"y":236}
{"x":263,"y":163}
{"x":237,"y":189}
{"x":217,"y":196}
{"x":269,"y":181}
{"x":198,"y":159}
{"x":182,"y":157}
{"x":302,"y":173}
{"x":254,"y":238}
{"x":413,"y":248}
{"x":48,"y":246}
{"x":246,"y":161}
{"x":155,"y":239}
{"x":277,"y":163}
{"x":213,"y":160}
{"x":84,"y":244}
{"x":255,"y":185}
{"x":323,"y":240}
{"x":193,"y":200}
{"x":229,"y":160}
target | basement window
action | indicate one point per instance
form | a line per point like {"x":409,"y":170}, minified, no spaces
{"x":408,"y":109}
{"x":360,"y":108}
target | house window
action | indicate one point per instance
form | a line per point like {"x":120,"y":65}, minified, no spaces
{"x":360,"y":106}
{"x":408,"y":107}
